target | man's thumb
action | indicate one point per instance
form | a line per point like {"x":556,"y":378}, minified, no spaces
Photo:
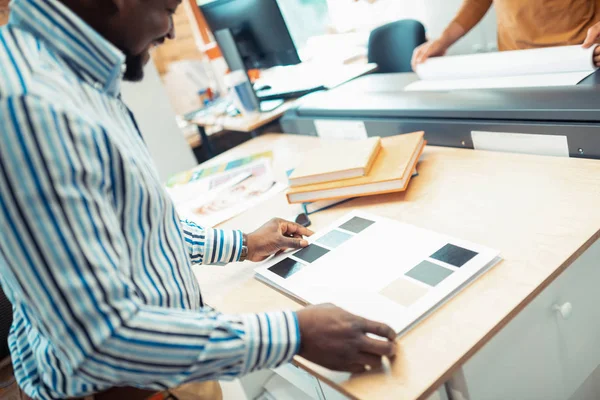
{"x":293,"y":243}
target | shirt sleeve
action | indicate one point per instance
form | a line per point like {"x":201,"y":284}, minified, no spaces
{"x":67,"y":259}
{"x":211,"y":246}
{"x":471,"y":12}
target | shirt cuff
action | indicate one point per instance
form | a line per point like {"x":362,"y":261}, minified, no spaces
{"x":222,"y":247}
{"x":272,"y":339}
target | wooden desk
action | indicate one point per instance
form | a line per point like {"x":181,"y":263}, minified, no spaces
{"x":542,"y":213}
{"x":251,"y":124}
{"x":238,"y":124}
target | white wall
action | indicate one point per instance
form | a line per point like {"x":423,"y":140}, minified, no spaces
{"x":438,"y":13}
{"x":149,"y":103}
{"x":434,"y":14}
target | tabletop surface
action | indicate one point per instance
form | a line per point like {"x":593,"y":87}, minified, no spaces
{"x":540,"y":212}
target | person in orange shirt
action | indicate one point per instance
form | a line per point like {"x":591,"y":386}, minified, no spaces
{"x":523,"y":24}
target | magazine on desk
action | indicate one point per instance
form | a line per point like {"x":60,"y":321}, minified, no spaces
{"x":203,"y":171}
{"x":214,"y":200}
{"x":378,"y":268}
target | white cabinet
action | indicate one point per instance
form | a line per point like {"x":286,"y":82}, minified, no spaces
{"x":579,"y":287}
{"x":550,"y":348}
{"x":523,"y":360}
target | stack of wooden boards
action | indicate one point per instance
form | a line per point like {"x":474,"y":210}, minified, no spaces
{"x":345,"y":169}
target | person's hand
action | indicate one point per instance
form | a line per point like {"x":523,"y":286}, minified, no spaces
{"x":336,"y":339}
{"x":274,"y":236}
{"x":428,"y":49}
{"x":593,"y":34}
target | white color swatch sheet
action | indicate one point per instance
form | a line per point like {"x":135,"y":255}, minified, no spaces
{"x":378,"y":268}
{"x":545,"y":67}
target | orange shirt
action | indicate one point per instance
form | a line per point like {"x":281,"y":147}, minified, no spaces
{"x":524,"y":24}
{"x":3,"y":12}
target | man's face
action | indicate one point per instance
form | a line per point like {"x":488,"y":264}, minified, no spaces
{"x":138,"y":26}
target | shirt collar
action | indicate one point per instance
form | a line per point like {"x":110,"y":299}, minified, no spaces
{"x":73,"y":39}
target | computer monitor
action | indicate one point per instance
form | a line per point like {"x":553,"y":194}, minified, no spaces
{"x":234,"y":61}
{"x":258,"y":28}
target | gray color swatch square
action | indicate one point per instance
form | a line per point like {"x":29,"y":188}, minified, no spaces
{"x":286,"y":268}
{"x":356,"y":224}
{"x":311,"y":253}
{"x":429,"y":273}
{"x":334,"y":238}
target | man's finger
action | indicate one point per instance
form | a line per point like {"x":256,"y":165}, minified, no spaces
{"x":592,"y":35}
{"x":596,"y":60}
{"x":379,"y":329}
{"x":292,"y":243}
{"x":424,"y":57}
{"x":415,"y":58}
{"x":289,"y":228}
{"x":373,"y":361}
{"x":417,"y":54}
{"x":421,"y":55}
{"x":377,"y":347}
{"x":356,"y":368}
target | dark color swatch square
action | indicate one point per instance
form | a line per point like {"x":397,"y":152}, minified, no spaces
{"x":286,"y":268}
{"x":429,"y":273}
{"x":334,"y":238}
{"x":356,"y":224}
{"x":454,"y":255}
{"x":311,"y":253}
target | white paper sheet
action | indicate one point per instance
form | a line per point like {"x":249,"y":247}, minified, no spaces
{"x":353,"y":278}
{"x":554,"y":66}
{"x":522,"y":81}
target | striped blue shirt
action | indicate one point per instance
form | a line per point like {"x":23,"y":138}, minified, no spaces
{"x":93,"y":256}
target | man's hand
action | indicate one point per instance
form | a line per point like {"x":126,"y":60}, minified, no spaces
{"x":432,"y":48}
{"x":593,"y":34}
{"x":274,"y":236}
{"x":338,"y":340}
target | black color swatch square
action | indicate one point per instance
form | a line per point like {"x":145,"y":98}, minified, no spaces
{"x":356,"y":224}
{"x":286,"y":268}
{"x":311,"y":253}
{"x":454,"y":255}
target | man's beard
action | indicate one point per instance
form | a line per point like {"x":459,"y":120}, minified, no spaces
{"x":134,"y":68}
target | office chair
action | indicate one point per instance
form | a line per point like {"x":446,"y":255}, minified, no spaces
{"x":391,"y":46}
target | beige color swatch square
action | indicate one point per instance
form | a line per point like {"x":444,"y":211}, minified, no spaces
{"x":404,"y":292}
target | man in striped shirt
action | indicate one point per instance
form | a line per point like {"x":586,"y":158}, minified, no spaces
{"x":93,"y":256}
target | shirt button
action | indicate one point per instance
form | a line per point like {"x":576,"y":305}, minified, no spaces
{"x":97,"y":85}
